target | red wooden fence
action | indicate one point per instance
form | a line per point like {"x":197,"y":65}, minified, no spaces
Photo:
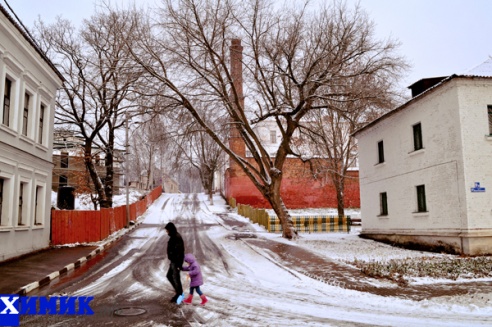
{"x":81,"y":226}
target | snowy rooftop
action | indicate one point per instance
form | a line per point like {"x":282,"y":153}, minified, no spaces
{"x":484,"y":69}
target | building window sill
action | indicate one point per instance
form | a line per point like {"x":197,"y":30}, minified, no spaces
{"x":421,"y":214}
{"x":5,"y":228}
{"x":383,"y":216}
{"x":415,"y":152}
{"x":21,"y":228}
{"x":8,"y":129}
{"x":488,"y":137}
{"x":42,"y":147}
{"x":380,"y":164}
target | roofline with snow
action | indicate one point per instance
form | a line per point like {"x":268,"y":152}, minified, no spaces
{"x":416,"y":98}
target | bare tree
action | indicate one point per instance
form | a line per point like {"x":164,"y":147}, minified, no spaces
{"x":194,"y":147}
{"x":148,"y":140}
{"x":291,"y":57}
{"x":102,"y":82}
{"x":325,"y":136}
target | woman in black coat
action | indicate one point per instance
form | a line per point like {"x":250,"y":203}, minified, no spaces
{"x":175,"y":253}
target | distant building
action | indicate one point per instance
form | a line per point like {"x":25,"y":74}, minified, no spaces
{"x":69,"y":167}
{"x":169,"y":185}
{"x":28,"y":84}
{"x":426,"y":167}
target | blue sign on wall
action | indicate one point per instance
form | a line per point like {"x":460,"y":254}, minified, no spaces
{"x":477,"y":188}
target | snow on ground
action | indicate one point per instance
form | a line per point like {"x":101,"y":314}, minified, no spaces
{"x":254,"y":290}
{"x":287,"y":297}
{"x":84,"y":202}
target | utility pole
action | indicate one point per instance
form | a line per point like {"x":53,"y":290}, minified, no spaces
{"x":127,"y":153}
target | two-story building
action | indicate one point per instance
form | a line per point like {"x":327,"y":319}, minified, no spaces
{"x":28,"y":84}
{"x":426,"y":167}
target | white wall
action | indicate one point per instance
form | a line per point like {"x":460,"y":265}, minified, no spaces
{"x":457,"y":153}
{"x":437,"y":166}
{"x":474,"y":96}
{"x":23,"y":159}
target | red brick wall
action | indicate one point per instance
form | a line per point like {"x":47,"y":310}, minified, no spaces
{"x":299,"y":189}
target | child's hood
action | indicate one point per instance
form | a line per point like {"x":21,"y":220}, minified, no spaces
{"x":190,"y":258}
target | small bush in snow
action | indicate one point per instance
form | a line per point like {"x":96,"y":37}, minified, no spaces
{"x":399,"y":270}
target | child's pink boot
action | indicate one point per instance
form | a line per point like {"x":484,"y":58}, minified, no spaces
{"x":188,"y":299}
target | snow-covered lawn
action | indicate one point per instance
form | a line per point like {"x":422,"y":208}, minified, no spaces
{"x":365,"y":308}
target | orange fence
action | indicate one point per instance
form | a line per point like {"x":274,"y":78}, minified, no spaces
{"x":81,"y":226}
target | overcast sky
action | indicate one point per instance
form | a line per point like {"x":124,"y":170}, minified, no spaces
{"x":438,"y":37}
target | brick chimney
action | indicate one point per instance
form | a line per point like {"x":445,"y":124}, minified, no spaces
{"x":236,"y":143}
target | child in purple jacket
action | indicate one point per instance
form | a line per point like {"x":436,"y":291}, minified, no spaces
{"x":196,"y":278}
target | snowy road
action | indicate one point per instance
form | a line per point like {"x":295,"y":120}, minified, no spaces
{"x":247,"y":285}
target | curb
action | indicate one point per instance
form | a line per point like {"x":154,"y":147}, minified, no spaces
{"x":24,"y":290}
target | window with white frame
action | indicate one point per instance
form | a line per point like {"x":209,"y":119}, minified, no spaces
{"x":42,"y":110}
{"x":421,"y":201}
{"x":383,"y":204}
{"x":38,"y":205}
{"x":25,"y":115}
{"x":417,"y":137}
{"x":7,"y":95}
{"x":21,"y":215}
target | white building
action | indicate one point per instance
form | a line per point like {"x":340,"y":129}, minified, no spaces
{"x":28,"y":83}
{"x":426,"y":167}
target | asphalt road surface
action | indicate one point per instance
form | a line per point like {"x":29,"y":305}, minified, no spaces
{"x":250,"y":280}
{"x":128,"y":281}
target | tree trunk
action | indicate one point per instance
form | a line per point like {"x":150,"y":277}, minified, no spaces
{"x":108,"y":180}
{"x":211,"y":187}
{"x":340,"y":188}
{"x":93,"y":173}
{"x":273,"y":196}
{"x":288,"y":230}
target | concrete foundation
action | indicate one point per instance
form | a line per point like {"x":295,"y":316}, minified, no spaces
{"x":459,"y":243}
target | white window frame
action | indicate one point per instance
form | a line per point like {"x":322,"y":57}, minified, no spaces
{"x":39,"y":205}
{"x":25,"y":123}
{"x":8,"y":191}
{"x":13,"y":83}
{"x":41,"y":123}
{"x":23,"y":221}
